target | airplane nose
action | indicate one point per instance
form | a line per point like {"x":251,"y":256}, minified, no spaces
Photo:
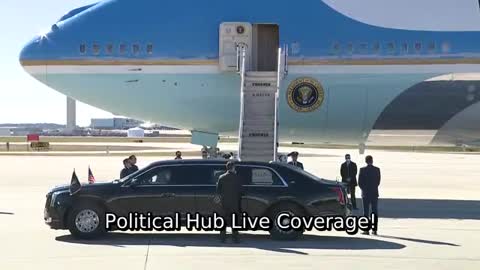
{"x":33,"y":55}
{"x":35,"y":50}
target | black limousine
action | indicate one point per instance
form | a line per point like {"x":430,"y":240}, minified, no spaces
{"x":188,"y":186}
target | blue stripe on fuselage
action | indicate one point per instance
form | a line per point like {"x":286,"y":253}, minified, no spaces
{"x":188,"y":29}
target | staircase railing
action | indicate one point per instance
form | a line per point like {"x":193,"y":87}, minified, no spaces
{"x":285,"y":61}
{"x":280,"y":74}
{"x":241,"y":57}
{"x":282,"y":71}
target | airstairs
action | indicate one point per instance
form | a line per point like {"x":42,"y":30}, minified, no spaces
{"x":259,"y":111}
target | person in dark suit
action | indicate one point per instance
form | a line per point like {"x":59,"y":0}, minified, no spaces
{"x":127,"y":168}
{"x":369,"y":181}
{"x":178,"y":155}
{"x":294,"y":161}
{"x":133,"y":163}
{"x":229,"y":194}
{"x":348,"y":171}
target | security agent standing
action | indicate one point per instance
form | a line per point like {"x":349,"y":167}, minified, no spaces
{"x":294,"y":161}
{"x":133,"y":162}
{"x":178,"y":155}
{"x":229,"y":192}
{"x":369,"y":181}
{"x":127,"y":168}
{"x":348,"y":171}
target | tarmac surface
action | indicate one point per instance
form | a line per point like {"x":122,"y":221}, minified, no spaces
{"x":429,"y":209}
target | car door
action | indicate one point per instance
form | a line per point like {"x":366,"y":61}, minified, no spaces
{"x":206,"y":190}
{"x":185,"y":184}
{"x":263,"y":186}
{"x":156,"y":191}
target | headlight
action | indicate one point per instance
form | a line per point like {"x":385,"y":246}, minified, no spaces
{"x":54,"y":197}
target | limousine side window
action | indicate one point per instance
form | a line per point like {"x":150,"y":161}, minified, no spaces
{"x":157,"y":176}
{"x":194,"y":175}
{"x":178,"y":175}
{"x":259,"y":176}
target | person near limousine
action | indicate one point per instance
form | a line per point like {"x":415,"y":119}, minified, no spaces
{"x":127,"y":169}
{"x":348,"y":171}
{"x":369,"y":181}
{"x":295,"y":161}
{"x":133,"y":163}
{"x":229,"y":191}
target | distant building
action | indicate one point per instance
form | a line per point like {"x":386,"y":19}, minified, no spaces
{"x":114,"y":123}
{"x":136,"y":133}
{"x":24,"y":131}
{"x":5,"y":131}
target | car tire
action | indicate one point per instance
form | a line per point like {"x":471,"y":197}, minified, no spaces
{"x":86,"y":221}
{"x":277,"y":233}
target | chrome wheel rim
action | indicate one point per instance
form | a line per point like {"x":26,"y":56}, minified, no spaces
{"x":285,"y":222}
{"x":87,"y":221}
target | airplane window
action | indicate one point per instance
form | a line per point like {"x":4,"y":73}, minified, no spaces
{"x":445,"y":47}
{"x":109,"y":48}
{"x":363,"y":48}
{"x":336,"y":48}
{"x":431,"y":47}
{"x":350,"y":48}
{"x":96,"y":49}
{"x":418,"y":47}
{"x":83,"y":48}
{"x":136,"y":49}
{"x":150,"y":48}
{"x":391,"y":47}
{"x":404,"y":48}
{"x":123,"y":48}
{"x":376,"y":47}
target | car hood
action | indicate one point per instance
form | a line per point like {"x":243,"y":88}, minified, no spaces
{"x":84,"y":187}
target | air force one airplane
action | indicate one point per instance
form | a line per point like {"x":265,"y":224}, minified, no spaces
{"x":175,"y":62}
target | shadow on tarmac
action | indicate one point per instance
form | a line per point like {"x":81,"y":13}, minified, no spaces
{"x":428,"y":209}
{"x":419,"y":240}
{"x":263,"y":242}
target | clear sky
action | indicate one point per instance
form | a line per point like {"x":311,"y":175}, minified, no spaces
{"x":23,"y":99}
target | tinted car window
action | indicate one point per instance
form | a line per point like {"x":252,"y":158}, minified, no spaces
{"x":194,"y":175}
{"x":259,"y":176}
{"x":180,"y":175}
{"x":157,"y":176}
{"x":217,"y":172}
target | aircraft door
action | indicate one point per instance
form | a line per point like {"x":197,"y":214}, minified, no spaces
{"x":232,"y":36}
{"x":266,"y":41}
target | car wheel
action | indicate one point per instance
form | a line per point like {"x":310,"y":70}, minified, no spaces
{"x":279,"y":234}
{"x":86,"y":221}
